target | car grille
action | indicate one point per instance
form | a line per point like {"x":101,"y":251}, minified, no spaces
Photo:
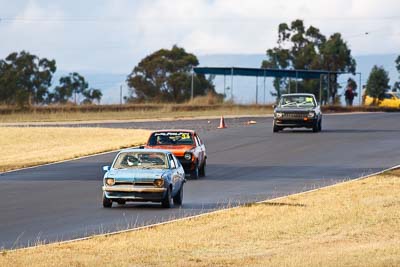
{"x":294,"y":115}
{"x":134,"y":183}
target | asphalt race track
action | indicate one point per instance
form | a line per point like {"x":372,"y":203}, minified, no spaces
{"x":245,"y":163}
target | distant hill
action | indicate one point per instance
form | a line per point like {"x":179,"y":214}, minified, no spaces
{"x":244,"y":87}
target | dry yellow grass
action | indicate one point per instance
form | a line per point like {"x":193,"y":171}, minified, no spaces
{"x":23,"y":147}
{"x":353,"y":224}
{"x":165,"y":111}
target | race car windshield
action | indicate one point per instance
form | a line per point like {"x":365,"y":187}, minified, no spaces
{"x":171,"y":138}
{"x":141,"y":160}
{"x":297,"y":101}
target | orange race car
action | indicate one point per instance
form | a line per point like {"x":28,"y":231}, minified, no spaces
{"x":186,"y":145}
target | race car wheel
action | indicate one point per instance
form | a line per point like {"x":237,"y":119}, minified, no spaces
{"x":195,"y":173}
{"x":202,"y":171}
{"x":121,"y":202}
{"x":275,"y":128}
{"x":107,"y":203}
{"x":320,"y":125}
{"x":167,"y":201}
{"x":178,"y":199}
{"x":315,"y":127}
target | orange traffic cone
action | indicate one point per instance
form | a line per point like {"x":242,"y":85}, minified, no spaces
{"x":222,"y":124}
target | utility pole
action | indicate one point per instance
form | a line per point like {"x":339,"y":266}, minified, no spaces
{"x":232,"y":84}
{"x":264,"y":87}
{"x":120,"y":94}
{"x":224,"y":86}
{"x":359,"y":96}
{"x":256,"y":90}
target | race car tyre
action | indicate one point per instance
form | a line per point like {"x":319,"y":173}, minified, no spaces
{"x":320,"y":125}
{"x":202,"y":171}
{"x":178,"y":199}
{"x":195,"y":173}
{"x":315,"y":127}
{"x":107,"y":203}
{"x":276,"y":128}
{"x":167,"y":201}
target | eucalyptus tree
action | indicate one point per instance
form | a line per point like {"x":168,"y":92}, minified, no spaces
{"x":165,"y":75}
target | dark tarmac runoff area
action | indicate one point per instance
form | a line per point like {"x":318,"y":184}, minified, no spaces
{"x":246,"y":163}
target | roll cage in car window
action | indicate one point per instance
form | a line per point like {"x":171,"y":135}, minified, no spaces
{"x":171,"y":138}
{"x":297,"y":101}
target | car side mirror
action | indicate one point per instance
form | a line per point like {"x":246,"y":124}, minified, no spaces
{"x":106,"y":168}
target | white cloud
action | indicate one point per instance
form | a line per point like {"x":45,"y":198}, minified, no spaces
{"x":112,"y":36}
{"x":22,"y":34}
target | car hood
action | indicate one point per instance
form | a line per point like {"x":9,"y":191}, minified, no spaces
{"x":136,"y":175}
{"x":294,"y":109}
{"x":177,"y":150}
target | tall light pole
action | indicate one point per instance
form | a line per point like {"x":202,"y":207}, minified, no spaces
{"x":224,"y":86}
{"x":360,"y":85}
{"x":232,"y":84}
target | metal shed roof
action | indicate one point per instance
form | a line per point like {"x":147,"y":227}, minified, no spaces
{"x":260,"y":72}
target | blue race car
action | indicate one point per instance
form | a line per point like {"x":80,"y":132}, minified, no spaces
{"x":144,"y":175}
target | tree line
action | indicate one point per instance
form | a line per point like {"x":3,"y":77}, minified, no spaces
{"x":26,"y":79}
{"x":306,"y":48}
{"x":166,"y":74}
{"x":378,"y":82}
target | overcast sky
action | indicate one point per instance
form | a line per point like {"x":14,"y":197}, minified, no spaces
{"x":112,"y":36}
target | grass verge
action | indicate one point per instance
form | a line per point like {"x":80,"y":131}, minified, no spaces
{"x":25,"y":147}
{"x":126,"y":112}
{"x":352,"y":224}
{"x":67,"y":113}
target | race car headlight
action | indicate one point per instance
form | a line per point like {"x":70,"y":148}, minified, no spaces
{"x":279,"y":114}
{"x":311,"y":114}
{"x":158,"y":182}
{"x":110,"y":181}
{"x":188,"y":156}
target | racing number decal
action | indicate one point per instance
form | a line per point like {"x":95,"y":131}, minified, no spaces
{"x":185,"y":136}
